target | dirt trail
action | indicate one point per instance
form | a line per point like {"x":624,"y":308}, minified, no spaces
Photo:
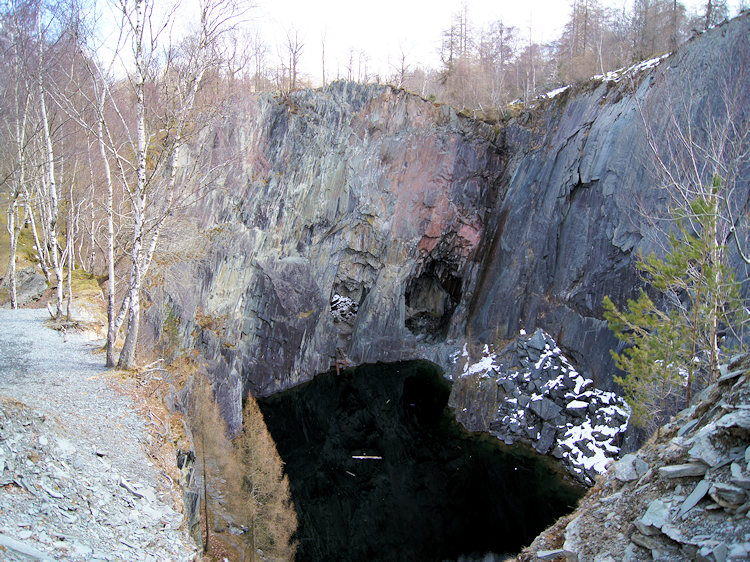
{"x":75,"y":483}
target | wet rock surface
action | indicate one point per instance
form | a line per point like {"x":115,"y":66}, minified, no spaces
{"x":75,"y":483}
{"x":531,"y":393}
{"x":692,"y":501}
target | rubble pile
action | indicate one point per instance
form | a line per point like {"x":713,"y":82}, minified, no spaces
{"x":60,"y":502}
{"x":542,"y":400}
{"x":684,"y":496}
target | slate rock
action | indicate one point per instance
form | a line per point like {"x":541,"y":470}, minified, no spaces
{"x":22,"y":549}
{"x":703,"y":449}
{"x":583,"y":446}
{"x":727,"y":495}
{"x":630,"y":467}
{"x":509,"y":386}
{"x":537,"y":341}
{"x":547,"y":438}
{"x":698,"y":493}
{"x":651,"y":521}
{"x":738,"y":478}
{"x":551,"y":554}
{"x":646,"y":541}
{"x":577,"y":408}
{"x":720,"y":552}
{"x":738,"y":418}
{"x":730,"y":376}
{"x":545,"y":409}
{"x":683,"y":470}
{"x":687,"y":427}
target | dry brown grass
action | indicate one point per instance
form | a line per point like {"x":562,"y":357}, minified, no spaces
{"x":147,"y":387}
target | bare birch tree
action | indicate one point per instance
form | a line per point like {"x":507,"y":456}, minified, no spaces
{"x":17,"y":176}
{"x":184,"y":71}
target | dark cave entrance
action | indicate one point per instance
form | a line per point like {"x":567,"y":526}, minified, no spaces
{"x":430,"y":302}
{"x":380,"y":470}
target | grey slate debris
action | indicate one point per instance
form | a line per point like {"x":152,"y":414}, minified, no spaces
{"x":683,"y":496}
{"x":75,"y":481}
{"x":682,"y":470}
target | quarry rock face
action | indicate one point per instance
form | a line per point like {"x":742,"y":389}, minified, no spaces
{"x":360,"y":223}
{"x":567,"y":224}
{"x":344,"y":230}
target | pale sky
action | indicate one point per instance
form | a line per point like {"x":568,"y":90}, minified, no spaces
{"x":382,"y":28}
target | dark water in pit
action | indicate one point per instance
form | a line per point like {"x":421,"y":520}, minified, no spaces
{"x":437,"y":493}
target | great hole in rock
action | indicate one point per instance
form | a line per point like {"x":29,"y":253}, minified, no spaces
{"x":430,"y":302}
{"x":380,"y":470}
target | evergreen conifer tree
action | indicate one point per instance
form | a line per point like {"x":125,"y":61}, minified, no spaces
{"x":670,"y":343}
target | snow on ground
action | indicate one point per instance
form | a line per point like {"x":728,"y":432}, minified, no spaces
{"x":611,"y":76}
{"x":637,"y":68}
{"x":484,"y":365}
{"x":555,"y":92}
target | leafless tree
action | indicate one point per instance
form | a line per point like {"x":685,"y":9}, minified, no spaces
{"x":294,"y":47}
{"x":49,"y":180}
{"x":401,"y":68}
{"x":185,"y":67}
{"x":715,"y":12}
{"x":16,"y":173}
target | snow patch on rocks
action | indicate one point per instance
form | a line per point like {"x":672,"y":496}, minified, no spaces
{"x":343,"y":309}
{"x":685,"y":495}
{"x":633,"y":70}
{"x":544,"y":401}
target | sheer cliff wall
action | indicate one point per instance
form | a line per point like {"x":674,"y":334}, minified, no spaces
{"x":361,"y":223}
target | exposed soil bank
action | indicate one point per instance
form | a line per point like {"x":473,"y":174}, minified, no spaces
{"x":431,"y":492}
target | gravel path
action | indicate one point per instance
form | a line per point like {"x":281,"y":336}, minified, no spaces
{"x":75,"y":483}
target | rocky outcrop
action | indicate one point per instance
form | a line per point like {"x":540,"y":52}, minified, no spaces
{"x":360,"y":223}
{"x":30,"y":285}
{"x":530,"y":393}
{"x":684,"y":496}
{"x":343,"y":229}
{"x":567,"y":223}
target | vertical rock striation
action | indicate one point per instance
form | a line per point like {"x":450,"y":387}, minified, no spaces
{"x":360,"y":223}
{"x":567,"y":222}
{"x":343,"y":230}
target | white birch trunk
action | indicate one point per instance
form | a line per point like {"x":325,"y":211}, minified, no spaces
{"x":111,"y":327}
{"x":20,"y":183}
{"x":127,"y":356}
{"x":51,"y":191}
{"x":10,"y":276}
{"x":39,"y":246}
